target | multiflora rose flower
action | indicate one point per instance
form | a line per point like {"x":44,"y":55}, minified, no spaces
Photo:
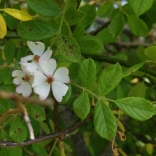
{"x":51,"y":77}
{"x":31,"y":61}
{"x":24,"y":81}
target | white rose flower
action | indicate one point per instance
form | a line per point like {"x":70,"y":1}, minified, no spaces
{"x":51,"y":78}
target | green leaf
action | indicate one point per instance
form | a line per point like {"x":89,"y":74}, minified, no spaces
{"x":90,"y":45}
{"x":137,"y":108}
{"x":141,"y":54}
{"x":18,"y":130}
{"x":137,"y":26}
{"x":9,"y":51}
{"x":150,"y":52}
{"x":44,"y":7}
{"x":104,"y":121}
{"x":36,"y":112}
{"x":87,"y":73}
{"x":81,"y":105}
{"x":6,"y":76}
{"x":4,"y":106}
{"x":74,"y":67}
{"x":68,"y":48}
{"x":109,"y":79}
{"x":105,"y":9}
{"x":140,"y":6}
{"x":13,"y":151}
{"x":116,"y":25}
{"x":78,"y":31}
{"x":73,"y":16}
{"x":105,"y":36}
{"x":89,"y":14}
{"x":22,"y":52}
{"x":39,"y":150}
{"x":139,"y":90}
{"x":132,"y":69}
{"x":45,"y":127}
{"x":35,"y":30}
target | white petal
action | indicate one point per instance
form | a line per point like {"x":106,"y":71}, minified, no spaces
{"x":48,"y":66}
{"x":24,"y":88}
{"x":47,"y":54}
{"x":27,"y":58}
{"x":39,"y":78}
{"x":42,"y":90}
{"x":36,"y":47}
{"x":17,"y":81}
{"x":17,"y":73}
{"x":61,"y":75}
{"x":59,"y":90}
{"x":30,"y":67}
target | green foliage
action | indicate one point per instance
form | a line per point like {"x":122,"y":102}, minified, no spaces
{"x":35,"y":30}
{"x":4,"y":106}
{"x":81,"y":105}
{"x":140,"y":6}
{"x":9,"y":51}
{"x":150,"y":52}
{"x":137,"y":26}
{"x":44,"y":7}
{"x":109,"y":79}
{"x":36,"y":112}
{"x":39,"y":150}
{"x":104,"y":121}
{"x":18,"y":130}
{"x":87,"y":73}
{"x":137,"y":108}
{"x":11,"y":151}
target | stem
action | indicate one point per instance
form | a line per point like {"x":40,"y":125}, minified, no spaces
{"x":51,"y":151}
{"x":61,"y":146}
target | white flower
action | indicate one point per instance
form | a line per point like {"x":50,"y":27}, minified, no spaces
{"x":24,"y":81}
{"x":31,"y":61}
{"x":51,"y":78}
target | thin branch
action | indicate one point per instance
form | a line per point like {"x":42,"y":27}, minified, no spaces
{"x":46,"y":137}
{"x":14,"y":97}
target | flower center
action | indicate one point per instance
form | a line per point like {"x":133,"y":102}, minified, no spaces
{"x":26,"y":78}
{"x":50,"y":79}
{"x":36,"y":58}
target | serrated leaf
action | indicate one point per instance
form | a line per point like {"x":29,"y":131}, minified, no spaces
{"x":39,"y":150}
{"x":137,"y":26}
{"x":35,"y":30}
{"x":44,"y":7}
{"x":150,"y":52}
{"x":116,"y":25}
{"x":109,"y":79}
{"x":20,"y":15}
{"x":139,"y":90}
{"x":4,"y":106}
{"x":3,"y":28}
{"x":87,"y":73}
{"x":89,"y":14}
{"x":137,"y":108}
{"x":9,"y":51}
{"x":68,"y":48}
{"x":81,"y":105}
{"x":18,"y":130}
{"x":133,"y":69}
{"x":73,"y":16}
{"x":104,"y":121}
{"x":105,"y":9}
{"x":90,"y":45}
{"x":36,"y":112}
{"x":140,"y":6}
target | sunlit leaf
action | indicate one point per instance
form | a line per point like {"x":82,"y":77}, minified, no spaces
{"x":3,"y":29}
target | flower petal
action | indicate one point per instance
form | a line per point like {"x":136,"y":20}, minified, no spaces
{"x":47,"y":54}
{"x":27,"y":58}
{"x":39,"y":78}
{"x":42,"y":90}
{"x":59,"y":90}
{"x":17,"y":73}
{"x":48,"y":66}
{"x":30,"y":67}
{"x":25,"y":89}
{"x":61,"y":75}
{"x":37,"y":48}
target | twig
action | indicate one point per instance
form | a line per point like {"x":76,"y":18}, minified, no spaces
{"x":13,"y":96}
{"x":46,"y":137}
